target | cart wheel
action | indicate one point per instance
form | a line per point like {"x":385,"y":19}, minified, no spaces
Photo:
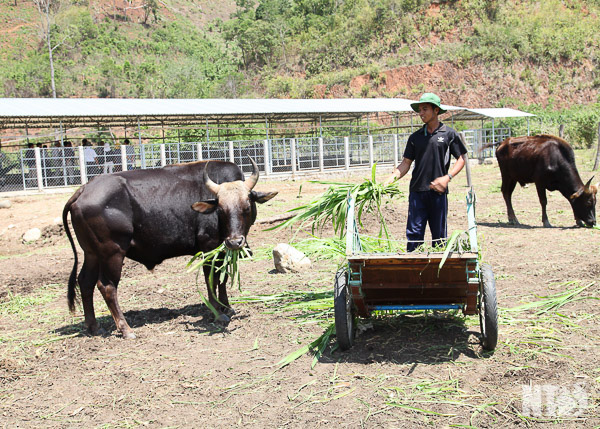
{"x":344,"y":314}
{"x":488,"y":309}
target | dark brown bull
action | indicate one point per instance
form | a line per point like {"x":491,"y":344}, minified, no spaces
{"x":549,"y":162}
{"x":153,"y":215}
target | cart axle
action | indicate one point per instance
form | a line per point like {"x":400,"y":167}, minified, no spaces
{"x":416,"y":307}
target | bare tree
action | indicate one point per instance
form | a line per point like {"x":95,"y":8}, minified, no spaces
{"x":48,"y":10}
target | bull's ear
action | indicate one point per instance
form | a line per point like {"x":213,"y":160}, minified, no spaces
{"x":262,"y":197}
{"x":208,"y":206}
{"x":577,"y":194}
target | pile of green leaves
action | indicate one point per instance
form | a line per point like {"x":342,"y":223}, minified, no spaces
{"x":222,"y":262}
{"x":332,"y":206}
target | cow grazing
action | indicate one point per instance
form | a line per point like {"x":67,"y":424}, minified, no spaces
{"x":153,"y":215}
{"x":549,"y":162}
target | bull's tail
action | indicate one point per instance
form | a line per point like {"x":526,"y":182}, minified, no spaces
{"x":73,"y":276}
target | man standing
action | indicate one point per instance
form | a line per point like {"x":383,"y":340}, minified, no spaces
{"x":430,"y":148}
{"x":90,"y":157}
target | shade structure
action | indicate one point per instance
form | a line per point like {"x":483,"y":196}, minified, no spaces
{"x":107,"y":112}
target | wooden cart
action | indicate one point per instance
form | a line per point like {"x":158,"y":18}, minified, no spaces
{"x":384,"y":282}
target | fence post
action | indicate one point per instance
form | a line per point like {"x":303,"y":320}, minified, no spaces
{"x":38,"y":168}
{"x":82,"y":170}
{"x":293,"y":156}
{"x":163,"y":155}
{"x":395,"y":138}
{"x":231,"y":152}
{"x":266,"y":156}
{"x":371,"y":157}
{"x":124,"y":165}
{"x":321,"y":163}
{"x":199,"y":150}
{"x":347,"y":153}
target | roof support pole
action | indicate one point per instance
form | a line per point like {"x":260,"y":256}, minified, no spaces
{"x":62,"y":143}
{"x":27,"y":132}
{"x":266,"y":156}
{"x":395,"y":139}
{"x":321,"y":163}
{"x":347,"y":153}
{"x":320,"y":127}
{"x":293,"y":156}
{"x":163,"y":155}
{"x":528,"y":132}
{"x":231,"y":152}
{"x":124,"y":157}
{"x":38,"y":168}
{"x":267,"y":127}
{"x":139,"y":134}
{"x":368,"y":128}
{"x":199,"y":150}
{"x":371,"y":155}
{"x":82,"y":169}
{"x":493,"y":132}
{"x":207,"y":132}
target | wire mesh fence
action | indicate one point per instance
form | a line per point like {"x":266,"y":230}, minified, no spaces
{"x":57,"y":166}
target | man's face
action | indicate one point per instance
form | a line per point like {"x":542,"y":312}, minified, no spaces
{"x":427,"y":112}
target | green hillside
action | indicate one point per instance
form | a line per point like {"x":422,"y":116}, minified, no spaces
{"x":542,"y":56}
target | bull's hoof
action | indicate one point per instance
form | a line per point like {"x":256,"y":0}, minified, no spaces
{"x":229,"y":311}
{"x":222,"y":319}
{"x":547,"y":224}
{"x":581,"y":223}
{"x":95,"y":330}
{"x":128,"y":335}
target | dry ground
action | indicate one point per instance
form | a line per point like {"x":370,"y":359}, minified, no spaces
{"x":404,"y":371}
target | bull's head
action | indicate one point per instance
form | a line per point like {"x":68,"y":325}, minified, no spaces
{"x":583,"y":203}
{"x":235,"y":205}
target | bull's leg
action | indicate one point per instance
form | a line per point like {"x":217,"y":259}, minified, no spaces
{"x":508,"y":186}
{"x":218,"y":305}
{"x":543,"y":201}
{"x":108,"y":281}
{"x":88,"y":276}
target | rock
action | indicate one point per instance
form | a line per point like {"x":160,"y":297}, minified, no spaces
{"x":57,"y":221}
{"x":288,"y":259}
{"x":5,"y":204}
{"x":32,"y":235}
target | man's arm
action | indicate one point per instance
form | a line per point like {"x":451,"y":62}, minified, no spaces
{"x":441,"y":183}
{"x":399,"y":171}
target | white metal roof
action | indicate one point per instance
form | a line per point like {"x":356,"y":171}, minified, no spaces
{"x":74,"y":112}
{"x":489,"y":113}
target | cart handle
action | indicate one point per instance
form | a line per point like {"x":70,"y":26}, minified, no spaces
{"x":467,"y":166}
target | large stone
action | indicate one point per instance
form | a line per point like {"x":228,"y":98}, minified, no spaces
{"x":32,"y":235}
{"x":5,"y":204}
{"x":288,"y":259}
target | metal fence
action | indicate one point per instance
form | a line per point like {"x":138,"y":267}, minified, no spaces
{"x":42,"y":168}
{"x":478,"y":138}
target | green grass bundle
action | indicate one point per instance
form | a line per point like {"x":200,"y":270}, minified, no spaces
{"x":332,"y":206}
{"x":222,"y":261}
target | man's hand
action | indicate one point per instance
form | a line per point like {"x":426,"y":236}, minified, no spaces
{"x":440,"y":184}
{"x":391,"y":179}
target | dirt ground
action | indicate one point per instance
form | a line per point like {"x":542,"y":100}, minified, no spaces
{"x":403,"y":371}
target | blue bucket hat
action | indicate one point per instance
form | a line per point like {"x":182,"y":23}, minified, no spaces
{"x":430,"y":98}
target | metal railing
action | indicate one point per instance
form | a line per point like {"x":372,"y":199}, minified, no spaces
{"x":43,"y":168}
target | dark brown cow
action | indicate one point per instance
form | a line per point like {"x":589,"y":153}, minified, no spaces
{"x":153,"y":215}
{"x":549,"y":162}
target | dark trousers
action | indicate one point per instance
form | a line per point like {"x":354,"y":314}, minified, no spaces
{"x":424,"y":207}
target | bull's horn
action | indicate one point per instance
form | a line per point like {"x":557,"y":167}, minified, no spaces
{"x":251,"y":181}
{"x":589,"y":182}
{"x":212,"y":186}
